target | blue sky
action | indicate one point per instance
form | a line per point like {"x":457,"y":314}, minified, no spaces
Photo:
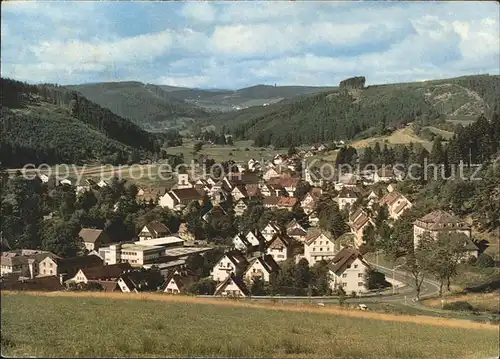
{"x":238,"y":44}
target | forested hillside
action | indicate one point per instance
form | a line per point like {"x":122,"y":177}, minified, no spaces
{"x":149,"y":106}
{"x":48,"y":123}
{"x":350,"y":113}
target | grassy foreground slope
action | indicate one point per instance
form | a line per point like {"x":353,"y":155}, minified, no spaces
{"x":160,"y":325}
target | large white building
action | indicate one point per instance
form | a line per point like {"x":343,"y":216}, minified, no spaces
{"x":348,"y":271}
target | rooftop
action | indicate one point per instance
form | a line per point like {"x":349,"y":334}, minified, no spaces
{"x":161,"y":241}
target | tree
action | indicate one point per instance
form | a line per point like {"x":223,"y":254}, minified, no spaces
{"x":446,"y":253}
{"x":417,"y":262}
{"x":61,"y":238}
{"x":292,"y":151}
{"x":369,"y":237}
{"x":375,"y":280}
{"x":320,"y":278}
{"x":302,"y":277}
{"x":258,"y":288}
{"x":205,"y":286}
{"x":437,"y":151}
{"x":197,"y":147}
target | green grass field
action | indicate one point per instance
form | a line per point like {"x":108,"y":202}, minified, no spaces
{"x":240,"y":151}
{"x":83,"y":325}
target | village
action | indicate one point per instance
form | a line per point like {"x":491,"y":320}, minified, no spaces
{"x":157,"y":259}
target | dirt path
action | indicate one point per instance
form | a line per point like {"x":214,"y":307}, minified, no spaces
{"x":331,"y":310}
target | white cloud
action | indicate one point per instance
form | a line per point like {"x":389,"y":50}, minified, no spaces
{"x":184,"y":81}
{"x":199,"y":11}
{"x":94,"y":54}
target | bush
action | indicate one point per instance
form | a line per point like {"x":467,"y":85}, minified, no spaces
{"x":460,"y":306}
{"x":485,"y":261}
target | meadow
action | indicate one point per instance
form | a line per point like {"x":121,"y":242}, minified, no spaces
{"x":156,"y":325}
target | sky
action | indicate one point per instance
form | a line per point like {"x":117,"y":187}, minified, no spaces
{"x":238,"y":44}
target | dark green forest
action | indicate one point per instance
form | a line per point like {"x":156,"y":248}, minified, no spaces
{"x":48,"y":123}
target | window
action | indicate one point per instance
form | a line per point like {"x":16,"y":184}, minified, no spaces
{"x":360,"y":275}
{"x":314,"y":249}
{"x":348,"y":266}
{"x":344,"y":275}
{"x":51,"y":271}
{"x":344,"y":284}
{"x":360,"y":284}
{"x":321,"y":249}
{"x":355,"y":266}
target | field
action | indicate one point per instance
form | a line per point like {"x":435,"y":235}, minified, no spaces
{"x":481,"y":301}
{"x":155,"y":325}
{"x":240,"y":151}
{"x":401,"y":136}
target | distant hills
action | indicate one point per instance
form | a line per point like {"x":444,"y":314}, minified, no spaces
{"x":157,"y":107}
{"x":354,"y":113}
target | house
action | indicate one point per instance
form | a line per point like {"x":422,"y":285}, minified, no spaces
{"x":438,"y":222}
{"x":241,"y":243}
{"x":270,"y":173}
{"x":387,"y":174}
{"x":232,"y":286}
{"x":152,"y":230}
{"x":270,"y":202}
{"x":255,"y":237}
{"x":232,"y":262}
{"x":396,"y":204}
{"x":134,"y":281}
{"x":322,"y":148}
{"x":319,"y":245}
{"x":261,"y":267}
{"x":278,"y":159}
{"x":93,"y":238}
{"x":66,"y":267}
{"x":288,"y":203}
{"x":372,"y":199}
{"x":15,"y":265}
{"x":214,"y":211}
{"x":279,"y":247}
{"x":240,"y":207}
{"x":234,"y":179}
{"x":179,"y":282}
{"x":183,"y":181}
{"x":100,"y":273}
{"x":269,"y":190}
{"x":348,"y":271}
{"x":288,"y":183}
{"x":239,"y":192}
{"x":346,"y":197}
{"x":347,"y":180}
{"x":252,"y":190}
{"x":309,"y":154}
{"x":270,"y":230}
{"x":308,"y":203}
{"x":178,"y":198}
{"x":137,"y":254}
{"x":313,"y":218}
{"x":359,"y":225}
{"x":219,"y":197}
{"x":313,"y":177}
{"x":296,"y":231}
{"x":23,"y":263}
